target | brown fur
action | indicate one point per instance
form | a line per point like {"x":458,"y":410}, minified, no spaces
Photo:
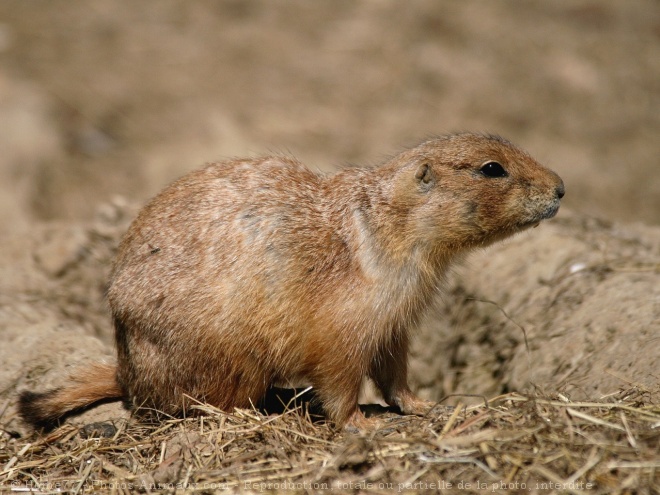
{"x":250,"y":272}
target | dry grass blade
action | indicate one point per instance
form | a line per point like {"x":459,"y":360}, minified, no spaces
{"x":578,"y":414}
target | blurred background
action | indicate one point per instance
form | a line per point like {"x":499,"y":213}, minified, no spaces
{"x":104,"y":98}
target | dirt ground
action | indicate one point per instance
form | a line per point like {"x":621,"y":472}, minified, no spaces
{"x":104,"y":103}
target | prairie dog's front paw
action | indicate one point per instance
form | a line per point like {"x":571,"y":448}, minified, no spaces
{"x":358,"y":423}
{"x":411,"y":404}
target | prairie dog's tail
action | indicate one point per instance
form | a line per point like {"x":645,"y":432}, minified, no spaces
{"x":90,"y":384}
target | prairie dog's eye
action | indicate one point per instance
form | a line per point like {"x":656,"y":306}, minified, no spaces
{"x":493,"y":169}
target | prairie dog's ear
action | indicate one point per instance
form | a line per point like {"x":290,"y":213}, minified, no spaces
{"x":425,"y":176}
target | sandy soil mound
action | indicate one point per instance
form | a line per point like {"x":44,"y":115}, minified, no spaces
{"x":53,"y":313}
{"x":584,"y":292}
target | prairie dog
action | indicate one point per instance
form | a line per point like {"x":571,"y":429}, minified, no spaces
{"x":250,"y":272}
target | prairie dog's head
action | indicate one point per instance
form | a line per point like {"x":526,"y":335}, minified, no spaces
{"x":467,"y":190}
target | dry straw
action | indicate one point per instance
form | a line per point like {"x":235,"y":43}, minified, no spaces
{"x":509,"y":444}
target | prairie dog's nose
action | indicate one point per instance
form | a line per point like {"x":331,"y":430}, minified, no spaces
{"x":560,"y":191}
